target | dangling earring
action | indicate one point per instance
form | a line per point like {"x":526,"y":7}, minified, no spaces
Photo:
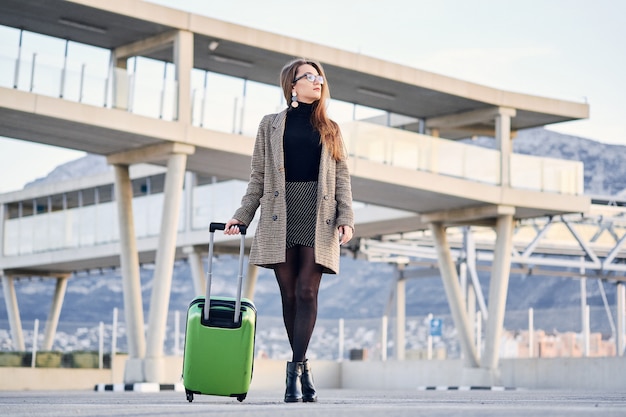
{"x":294,"y":99}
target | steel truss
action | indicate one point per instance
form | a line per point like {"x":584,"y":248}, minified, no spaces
{"x":591,"y":246}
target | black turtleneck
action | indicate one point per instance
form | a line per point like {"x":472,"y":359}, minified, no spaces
{"x":301,"y":144}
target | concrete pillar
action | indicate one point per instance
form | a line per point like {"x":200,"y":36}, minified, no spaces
{"x":250,"y":284}
{"x":197,"y":270}
{"x":470,"y":301}
{"x":383,"y":338}
{"x":476,"y":294}
{"x":531,"y":333}
{"x":55,"y":312}
{"x":583,"y":299}
{"x":454,"y":294}
{"x":584,"y":308}
{"x":462,"y":274}
{"x":129,"y":264}
{"x":191,"y":180}
{"x":183,"y":60}
{"x":498,"y":288}
{"x":3,"y":218}
{"x":13,"y":312}
{"x":478,"y":334}
{"x":400,"y":315}
{"x":164,"y":265}
{"x":586,"y":331}
{"x":621,"y":318}
{"x":503,"y":143}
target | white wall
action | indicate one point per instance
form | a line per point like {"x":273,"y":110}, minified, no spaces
{"x":589,"y":374}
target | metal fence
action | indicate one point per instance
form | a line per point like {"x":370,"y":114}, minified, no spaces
{"x":333,"y":339}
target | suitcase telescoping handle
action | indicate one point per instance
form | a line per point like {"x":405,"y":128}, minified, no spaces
{"x":207,"y":300}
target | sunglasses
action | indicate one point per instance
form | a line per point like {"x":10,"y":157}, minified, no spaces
{"x":310,"y":77}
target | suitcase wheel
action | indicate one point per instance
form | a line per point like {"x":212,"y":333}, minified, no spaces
{"x":241,"y":397}
{"x":189,"y":395}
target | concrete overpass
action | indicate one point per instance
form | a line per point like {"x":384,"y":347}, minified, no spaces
{"x":421,"y":108}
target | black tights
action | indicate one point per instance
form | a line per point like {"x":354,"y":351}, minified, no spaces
{"x":299,"y":281}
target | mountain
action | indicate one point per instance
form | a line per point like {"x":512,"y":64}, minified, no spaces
{"x":82,"y":167}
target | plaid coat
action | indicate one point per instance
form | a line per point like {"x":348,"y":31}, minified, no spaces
{"x":267,"y":189}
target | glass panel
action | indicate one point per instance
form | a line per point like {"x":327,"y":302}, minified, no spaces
{"x":201,"y":215}
{"x":547,"y":174}
{"x":58,"y":237}
{"x":196,"y":107}
{"x":154,"y":89}
{"x":88,"y":69}
{"x":41,"y":232}
{"x":87,"y":224}
{"x":481,"y":166}
{"x":153,"y":212}
{"x":169,"y":110}
{"x":73,"y":231}
{"x":82,"y":87}
{"x":7,"y":71}
{"x":26,"y":236}
{"x":341,"y":111}
{"x":404,"y":152}
{"x":216,"y":202}
{"x":182,"y":214}
{"x":448,"y":158}
{"x":227,"y":198}
{"x":40,"y":64}
{"x":414,"y":151}
{"x":94,"y":90}
{"x":441,"y":156}
{"x":220,"y":103}
{"x":258,"y":102}
{"x":526,"y":172}
{"x":146,"y":99}
{"x":8,"y":54}
{"x":11,"y":237}
{"x":46,"y":79}
{"x":71,"y":88}
{"x":140,"y":216}
{"x":121,"y":89}
{"x":107,"y":227}
{"x":365,"y":112}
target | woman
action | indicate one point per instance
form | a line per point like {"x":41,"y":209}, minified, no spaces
{"x":301,"y":181}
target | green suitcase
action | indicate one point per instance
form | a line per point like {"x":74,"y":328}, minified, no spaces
{"x":219,"y":344}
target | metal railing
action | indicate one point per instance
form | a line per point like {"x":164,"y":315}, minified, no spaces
{"x":415,"y":151}
{"x":339,"y":339}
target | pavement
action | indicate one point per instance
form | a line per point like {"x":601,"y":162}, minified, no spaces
{"x":339,"y":402}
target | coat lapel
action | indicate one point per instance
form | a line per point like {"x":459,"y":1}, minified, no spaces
{"x":276,"y":140}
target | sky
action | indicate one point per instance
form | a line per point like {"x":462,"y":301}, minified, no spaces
{"x":564,"y":49}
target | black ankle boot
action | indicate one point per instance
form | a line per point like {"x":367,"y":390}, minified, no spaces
{"x":293,"y":391}
{"x":308,"y":389}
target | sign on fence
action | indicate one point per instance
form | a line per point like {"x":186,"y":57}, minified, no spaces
{"x":435,"y":327}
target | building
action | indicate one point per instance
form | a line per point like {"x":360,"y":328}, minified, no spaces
{"x":409,"y":164}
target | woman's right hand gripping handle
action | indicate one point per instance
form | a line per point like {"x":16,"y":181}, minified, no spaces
{"x":232,"y":227}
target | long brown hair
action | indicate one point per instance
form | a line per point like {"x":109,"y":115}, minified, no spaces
{"x":330,"y":135}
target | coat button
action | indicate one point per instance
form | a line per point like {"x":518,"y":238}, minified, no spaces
{"x":274,"y":217}
{"x":326,"y":197}
{"x":327,"y":221}
{"x":275,"y":193}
